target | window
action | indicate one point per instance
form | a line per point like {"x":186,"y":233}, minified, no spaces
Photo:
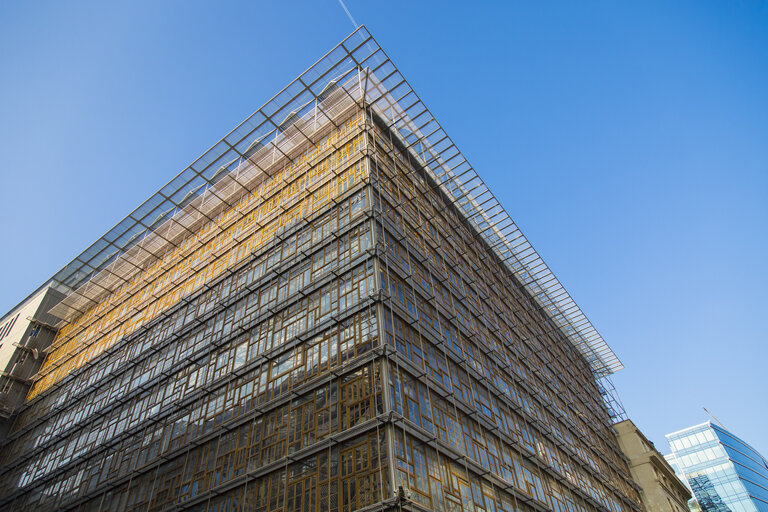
{"x":6,"y":328}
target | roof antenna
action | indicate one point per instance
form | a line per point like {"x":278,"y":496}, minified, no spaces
{"x":349,"y":15}
{"x":713,"y":417}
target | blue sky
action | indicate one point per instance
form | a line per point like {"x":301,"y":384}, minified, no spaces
{"x":629,"y":142}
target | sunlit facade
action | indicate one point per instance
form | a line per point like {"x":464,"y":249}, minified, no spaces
{"x":327,"y":311}
{"x":724,"y":473}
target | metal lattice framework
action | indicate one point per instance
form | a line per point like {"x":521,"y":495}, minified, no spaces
{"x":356,"y":70}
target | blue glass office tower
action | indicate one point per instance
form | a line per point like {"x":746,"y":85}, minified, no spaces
{"x":724,"y":473}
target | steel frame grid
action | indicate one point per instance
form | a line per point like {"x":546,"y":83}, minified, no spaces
{"x":340,"y":108}
{"x":233,"y":179}
{"x":453,"y":173}
{"x":424,"y":150}
{"x":611,"y":403}
{"x":332,"y":321}
{"x":265,"y":130}
{"x":389,"y":92}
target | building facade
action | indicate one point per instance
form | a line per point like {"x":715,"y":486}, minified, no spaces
{"x":724,"y":473}
{"x":327,"y":311}
{"x":661,"y":490}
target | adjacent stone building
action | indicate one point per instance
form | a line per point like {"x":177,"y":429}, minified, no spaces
{"x":25,"y":332}
{"x":661,"y":490}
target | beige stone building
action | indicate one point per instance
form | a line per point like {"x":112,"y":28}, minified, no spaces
{"x":661,"y":490}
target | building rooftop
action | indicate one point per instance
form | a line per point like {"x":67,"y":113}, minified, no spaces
{"x":356,"y":70}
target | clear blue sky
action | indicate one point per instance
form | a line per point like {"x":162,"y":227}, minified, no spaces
{"x":629,"y":142}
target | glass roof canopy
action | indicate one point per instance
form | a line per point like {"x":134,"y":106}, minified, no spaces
{"x":357,"y":68}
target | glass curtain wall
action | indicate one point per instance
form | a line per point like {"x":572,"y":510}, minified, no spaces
{"x":323,"y":322}
{"x":724,"y":473}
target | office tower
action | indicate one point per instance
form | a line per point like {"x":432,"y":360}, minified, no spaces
{"x":660,"y":489}
{"x":327,"y":311}
{"x":724,"y":473}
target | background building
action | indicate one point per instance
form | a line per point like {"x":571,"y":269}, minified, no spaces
{"x":24,"y":333}
{"x":328,"y":310}
{"x":660,"y":488}
{"x":724,"y":472}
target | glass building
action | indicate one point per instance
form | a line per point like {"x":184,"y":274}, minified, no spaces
{"x":330,"y":311}
{"x":724,"y":473}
